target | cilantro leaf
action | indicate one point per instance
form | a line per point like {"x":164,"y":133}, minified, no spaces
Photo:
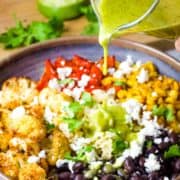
{"x":173,"y":151}
{"x":118,"y":146}
{"x":80,"y":155}
{"x":91,"y":29}
{"x":87,"y":99}
{"x":89,"y":13}
{"x":21,"y":35}
{"x":149,"y":144}
{"x":73,"y":124}
{"x":166,"y":112}
{"x":120,"y":83}
{"x":50,"y":127}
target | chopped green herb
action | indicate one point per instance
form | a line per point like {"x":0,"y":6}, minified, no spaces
{"x":81,"y":154}
{"x":65,"y":81}
{"x":21,"y":35}
{"x":120,"y":83}
{"x":50,"y":127}
{"x":173,"y":151}
{"x":87,"y":99}
{"x":166,"y":112}
{"x":91,"y":29}
{"x":73,"y":124}
{"x":148,"y":144}
{"x":89,"y":13}
{"x":119,"y":146}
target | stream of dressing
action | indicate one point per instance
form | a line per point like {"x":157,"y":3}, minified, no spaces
{"x":116,"y":13}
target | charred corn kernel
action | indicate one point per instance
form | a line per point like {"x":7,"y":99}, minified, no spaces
{"x":107,"y":81}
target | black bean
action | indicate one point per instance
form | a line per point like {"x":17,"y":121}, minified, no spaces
{"x":135,"y":177}
{"x":141,"y":161}
{"x":64,"y":176}
{"x":163,"y":145}
{"x":144,"y":177}
{"x":108,"y":177}
{"x":79,"y":177}
{"x":152,"y":149}
{"x":63,"y":167}
{"x":78,"y":167}
{"x":177,"y":166}
{"x":153,"y":176}
{"x":129,"y":165}
{"x":173,"y":138}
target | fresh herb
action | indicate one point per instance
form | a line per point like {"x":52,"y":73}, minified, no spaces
{"x":50,"y":127}
{"x":119,"y":146}
{"x":65,"y":81}
{"x":173,"y":151}
{"x":73,"y":123}
{"x":166,"y":112}
{"x":87,"y":99}
{"x":93,"y":27}
{"x":120,"y":83}
{"x":21,"y":35}
{"x":149,"y":144}
{"x":80,"y":155}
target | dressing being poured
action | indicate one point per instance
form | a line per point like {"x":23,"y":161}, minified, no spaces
{"x":126,"y":16}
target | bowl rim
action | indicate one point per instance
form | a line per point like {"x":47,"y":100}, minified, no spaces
{"x":74,"y":40}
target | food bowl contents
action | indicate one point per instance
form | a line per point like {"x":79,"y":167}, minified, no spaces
{"x":76,"y":123}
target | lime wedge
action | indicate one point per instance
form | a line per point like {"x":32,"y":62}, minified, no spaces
{"x":62,"y":9}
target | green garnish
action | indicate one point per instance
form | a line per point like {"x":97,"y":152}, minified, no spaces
{"x":87,"y":99}
{"x":80,"y":155}
{"x":73,"y":124}
{"x":65,"y":81}
{"x":93,"y":27}
{"x":166,"y":112}
{"x":149,"y":144}
{"x":119,"y":146}
{"x":120,"y":83}
{"x":21,"y":35}
{"x":173,"y":151}
{"x":50,"y":127}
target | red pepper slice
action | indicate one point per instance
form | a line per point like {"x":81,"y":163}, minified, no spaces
{"x":79,"y":61}
{"x":96,"y":73}
{"x":60,"y":62}
{"x":49,"y":73}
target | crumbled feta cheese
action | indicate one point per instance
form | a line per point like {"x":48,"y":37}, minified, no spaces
{"x":70,"y":163}
{"x":166,"y":139}
{"x":49,"y":115}
{"x":64,"y":128}
{"x":91,"y":156}
{"x":96,"y":165}
{"x":33,"y":159}
{"x":133,"y":109}
{"x":42,"y":154}
{"x":53,"y":84}
{"x":76,"y":93}
{"x":143,"y":76}
{"x":135,"y":149}
{"x":160,"y":78}
{"x":64,"y":72}
{"x":138,"y":64}
{"x":146,"y":115}
{"x":78,"y":143}
{"x":71,"y":85}
{"x":111,"y":71}
{"x":165,"y":178}
{"x":157,"y":140}
{"x":19,"y":142}
{"x":111,"y":92}
{"x":154,"y":94}
{"x":151,"y":163}
{"x":1,"y":131}
{"x":99,"y":95}
{"x":35,"y":100}
{"x":18,"y":112}
{"x":84,"y":81}
{"x":67,"y":91}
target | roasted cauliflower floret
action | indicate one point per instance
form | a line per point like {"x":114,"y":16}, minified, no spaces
{"x":17,"y":91}
{"x":25,"y":125}
{"x":53,"y":99}
{"x":9,"y":165}
{"x":59,"y":146}
{"x":32,"y":172}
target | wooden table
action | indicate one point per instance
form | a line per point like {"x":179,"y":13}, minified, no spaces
{"x":26,"y":10}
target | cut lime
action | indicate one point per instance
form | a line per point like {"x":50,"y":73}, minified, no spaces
{"x":62,"y":9}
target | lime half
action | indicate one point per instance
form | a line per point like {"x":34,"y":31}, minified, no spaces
{"x":62,"y":9}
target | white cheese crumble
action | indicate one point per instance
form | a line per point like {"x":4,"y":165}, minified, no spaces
{"x":154,"y":94}
{"x":19,"y":142}
{"x":42,"y":154}
{"x":53,"y":84}
{"x":78,"y":143}
{"x":133,"y":109}
{"x":157,"y":140}
{"x":33,"y":159}
{"x":64,"y":72}
{"x":111,"y":71}
{"x":70,"y":163}
{"x":64,"y":128}
{"x":165,"y":178}
{"x":151,"y":163}
{"x":18,"y":112}
{"x":143,"y":76}
{"x":166,"y":139}
{"x":84,"y":81}
{"x":48,"y":115}
{"x":1,"y":131}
